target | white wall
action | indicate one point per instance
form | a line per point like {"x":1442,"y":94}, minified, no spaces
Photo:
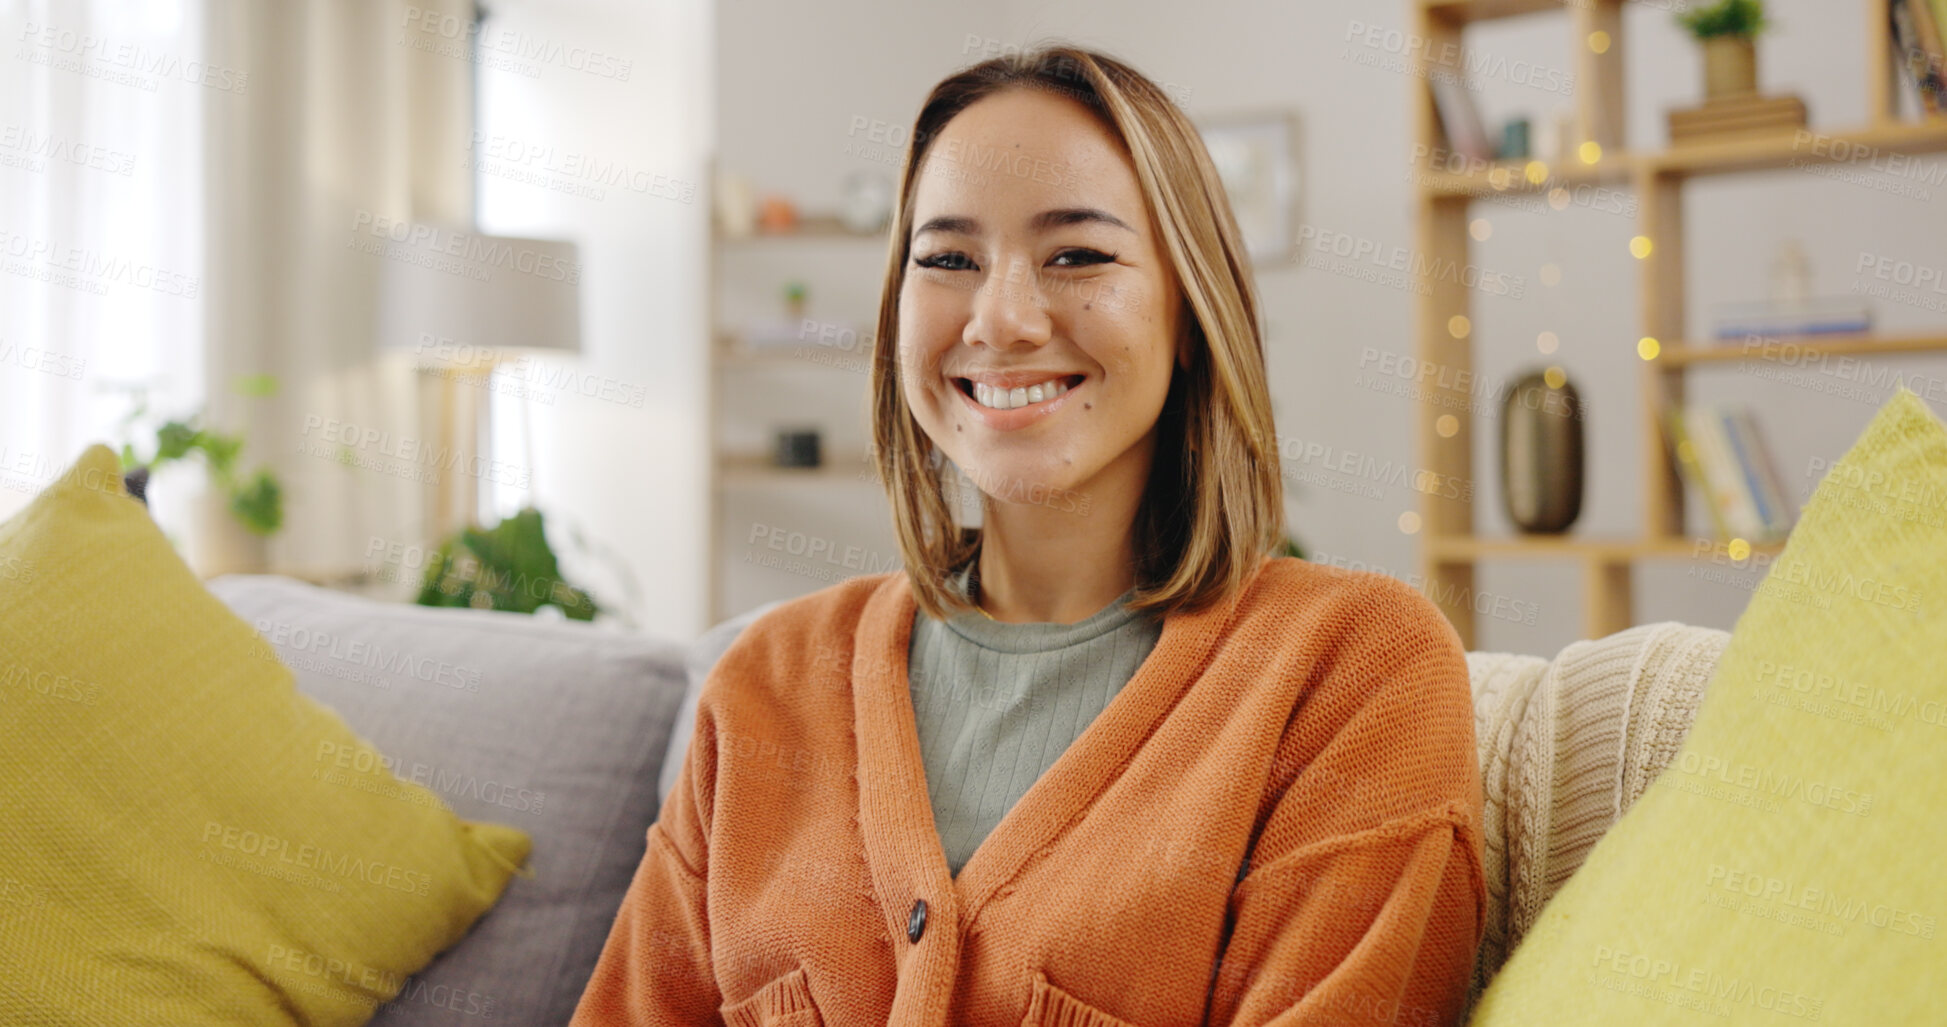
{"x":596,"y":117}
{"x":790,"y":82}
{"x":808,"y":95}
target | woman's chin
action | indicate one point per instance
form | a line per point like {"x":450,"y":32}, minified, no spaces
{"x":1028,"y":485}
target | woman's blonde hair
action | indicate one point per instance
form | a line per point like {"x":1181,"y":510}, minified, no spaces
{"x":1214,"y":504}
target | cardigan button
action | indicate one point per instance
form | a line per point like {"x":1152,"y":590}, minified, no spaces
{"x":916,"y":923}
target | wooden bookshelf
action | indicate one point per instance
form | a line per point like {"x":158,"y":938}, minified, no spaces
{"x":811,"y":227}
{"x":734,"y":473}
{"x":1687,"y":353}
{"x":1450,"y":551}
{"x":748,"y":470}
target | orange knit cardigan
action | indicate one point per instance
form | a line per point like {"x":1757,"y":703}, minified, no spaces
{"x":1318,"y":723}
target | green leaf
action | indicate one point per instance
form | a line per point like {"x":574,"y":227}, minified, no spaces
{"x":507,"y":567}
{"x":173,"y":440}
{"x":259,"y":503}
{"x":220,"y":450}
{"x":1725,"y":18}
{"x":256,"y":385}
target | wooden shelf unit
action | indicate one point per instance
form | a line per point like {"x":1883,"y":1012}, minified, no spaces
{"x":808,"y":226}
{"x":1683,"y":354}
{"x":731,"y":470}
{"x":1449,"y":549}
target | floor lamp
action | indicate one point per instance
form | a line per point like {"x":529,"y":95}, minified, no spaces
{"x":464,"y":304}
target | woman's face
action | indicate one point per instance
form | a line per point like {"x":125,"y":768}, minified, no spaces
{"x":1038,"y":319}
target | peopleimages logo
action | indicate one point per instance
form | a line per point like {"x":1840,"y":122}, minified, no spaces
{"x":361,"y":653}
{"x":517,"y":44}
{"x":1450,"y":58}
{"x":473,"y":255}
{"x":391,"y":775}
{"x":509,"y":156}
{"x":412,"y":451}
{"x":86,"y":53}
{"x":33,"y":358}
{"x":303,"y":856}
{"x":1361,"y":251}
{"x":89,"y":270}
{"x":39,"y":147}
{"x":533,"y":375}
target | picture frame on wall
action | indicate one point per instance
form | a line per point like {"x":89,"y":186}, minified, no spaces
{"x":1256,"y":155}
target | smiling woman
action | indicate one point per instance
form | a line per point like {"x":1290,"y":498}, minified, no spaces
{"x":1104,"y":759}
{"x":1013,"y":278}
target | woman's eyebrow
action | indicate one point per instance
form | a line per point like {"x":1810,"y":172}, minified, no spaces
{"x":1047,"y":219}
{"x":1076,"y":216}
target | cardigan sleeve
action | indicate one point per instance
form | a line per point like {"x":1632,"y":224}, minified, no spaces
{"x":1364,"y":902}
{"x":655,"y":968}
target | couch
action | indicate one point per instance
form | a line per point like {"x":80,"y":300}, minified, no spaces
{"x":585,"y":739}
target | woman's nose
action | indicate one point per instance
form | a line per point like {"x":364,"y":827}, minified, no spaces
{"x":1009,"y":307}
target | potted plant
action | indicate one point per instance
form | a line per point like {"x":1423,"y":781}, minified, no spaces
{"x":509,"y":566}
{"x":231,"y":521}
{"x":1727,"y":30}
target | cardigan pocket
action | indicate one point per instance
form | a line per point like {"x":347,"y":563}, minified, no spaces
{"x":784,"y":1002}
{"x":1052,"y":1007}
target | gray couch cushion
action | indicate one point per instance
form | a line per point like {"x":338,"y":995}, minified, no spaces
{"x":703,"y":655}
{"x":554,"y":727}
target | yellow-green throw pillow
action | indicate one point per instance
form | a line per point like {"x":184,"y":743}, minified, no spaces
{"x":1786,"y":868}
{"x":169,"y":851}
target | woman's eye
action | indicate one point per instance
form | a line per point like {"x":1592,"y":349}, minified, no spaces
{"x":1082,"y":258}
{"x":945,"y":262}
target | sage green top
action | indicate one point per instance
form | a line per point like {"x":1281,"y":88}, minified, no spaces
{"x":997,"y":703}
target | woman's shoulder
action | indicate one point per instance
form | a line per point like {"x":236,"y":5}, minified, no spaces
{"x":806,"y":631}
{"x":1369,"y":624}
{"x":836,"y":607}
{"x":1288,"y":582}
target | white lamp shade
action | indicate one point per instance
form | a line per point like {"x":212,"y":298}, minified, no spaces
{"x":459,"y":297}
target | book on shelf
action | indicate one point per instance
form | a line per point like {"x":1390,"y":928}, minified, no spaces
{"x":1783,"y":319}
{"x":1735,"y":117}
{"x":1774,"y":480}
{"x":1920,"y":51}
{"x":1690,"y":465}
{"x":1722,"y":455}
{"x":1933,"y":46}
{"x":1460,"y":116}
{"x":1760,"y":471}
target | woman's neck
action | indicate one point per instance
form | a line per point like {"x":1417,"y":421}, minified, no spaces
{"x":1058,"y":562}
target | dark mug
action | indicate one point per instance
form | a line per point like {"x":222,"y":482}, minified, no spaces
{"x":797,"y":447}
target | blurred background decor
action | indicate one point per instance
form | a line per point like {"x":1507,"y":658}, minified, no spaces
{"x":1728,"y":31}
{"x":1257,"y":157}
{"x":239,"y":510}
{"x":509,"y":566}
{"x":1542,"y":452}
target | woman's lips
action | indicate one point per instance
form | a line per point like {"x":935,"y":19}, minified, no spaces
{"x":1018,"y":417}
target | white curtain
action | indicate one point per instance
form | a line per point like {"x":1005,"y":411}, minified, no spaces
{"x":358,"y":116}
{"x":101,"y":276}
{"x":188,"y":196}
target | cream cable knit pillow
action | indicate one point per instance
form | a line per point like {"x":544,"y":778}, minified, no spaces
{"x":1503,"y":683}
{"x":1566,"y":747}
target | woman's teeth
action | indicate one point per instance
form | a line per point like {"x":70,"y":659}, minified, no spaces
{"x":1007,"y":399}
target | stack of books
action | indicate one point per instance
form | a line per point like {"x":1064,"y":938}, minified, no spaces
{"x":1920,"y":50}
{"x":1737,"y":117}
{"x":1777,"y":319}
{"x":1723,"y":457}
